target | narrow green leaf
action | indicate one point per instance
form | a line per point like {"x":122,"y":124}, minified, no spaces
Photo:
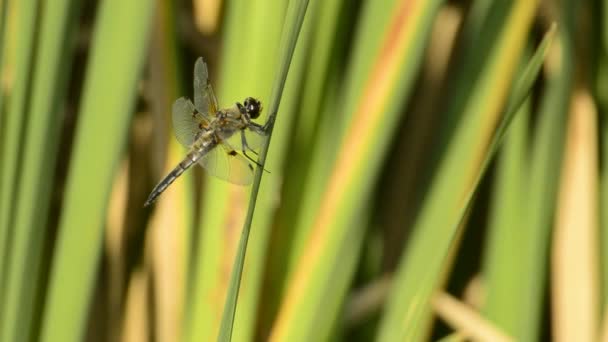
{"x":116,"y":61}
{"x":224,"y":205}
{"x":291,"y":30}
{"x":307,"y":141}
{"x":16,"y":119}
{"x":423,"y":268}
{"x":250,"y":302}
{"x":40,"y":146}
{"x":506,"y":227}
{"x":4,"y":47}
{"x":379,"y":78}
{"x":542,"y":185}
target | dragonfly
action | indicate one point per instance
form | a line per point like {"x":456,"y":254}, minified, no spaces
{"x":219,"y":140}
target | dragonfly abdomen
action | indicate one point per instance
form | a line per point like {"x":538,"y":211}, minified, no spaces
{"x":190,"y":159}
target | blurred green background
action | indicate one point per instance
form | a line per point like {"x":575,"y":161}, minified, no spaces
{"x":436,"y":171}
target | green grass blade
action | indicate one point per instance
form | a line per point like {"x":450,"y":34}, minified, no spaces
{"x":391,"y":112}
{"x":380,"y":75}
{"x":506,"y":227}
{"x":4,"y":47}
{"x":291,"y":30}
{"x":335,"y":113}
{"x":16,"y":119}
{"x":224,"y":205}
{"x":326,"y":23}
{"x":324,"y":97}
{"x":424,"y":265}
{"x":521,"y":319}
{"x":542,"y":185}
{"x":250,"y":302}
{"x":116,"y":61}
{"x":40,"y":146}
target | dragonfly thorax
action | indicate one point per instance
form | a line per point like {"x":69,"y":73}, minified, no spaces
{"x":228,"y":122}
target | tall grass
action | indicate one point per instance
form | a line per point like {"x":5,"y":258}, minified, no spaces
{"x":382,"y":216}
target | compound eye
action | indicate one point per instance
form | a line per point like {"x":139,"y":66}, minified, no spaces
{"x":253,"y":107}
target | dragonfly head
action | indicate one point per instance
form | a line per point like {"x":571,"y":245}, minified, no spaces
{"x":253,"y":107}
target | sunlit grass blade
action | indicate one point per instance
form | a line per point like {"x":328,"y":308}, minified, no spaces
{"x":202,"y":315}
{"x":380,"y":207}
{"x":575,"y":262}
{"x":323,"y":149}
{"x":224,"y":205}
{"x":465,"y":319}
{"x":289,"y":37}
{"x":4,"y":47}
{"x":249,"y":302}
{"x":343,"y":83}
{"x":486,"y":115}
{"x":121,"y":32}
{"x":542,"y":181}
{"x":15,"y":121}
{"x":506,"y":227}
{"x":327,"y":20}
{"x":380,"y":76}
{"x":539,"y":189}
{"x":51,"y":65}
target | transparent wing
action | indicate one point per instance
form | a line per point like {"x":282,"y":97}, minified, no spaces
{"x":187,"y":121}
{"x":253,"y":139}
{"x":204,"y":98}
{"x":225,"y":163}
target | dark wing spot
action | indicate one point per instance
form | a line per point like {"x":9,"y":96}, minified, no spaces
{"x":250,"y":167}
{"x":232,"y":153}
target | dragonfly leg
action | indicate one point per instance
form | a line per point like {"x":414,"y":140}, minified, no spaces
{"x":263,"y":130}
{"x":246,"y":147}
{"x":257,"y":128}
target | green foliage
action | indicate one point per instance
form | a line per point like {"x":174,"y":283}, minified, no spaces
{"x":379,"y":168}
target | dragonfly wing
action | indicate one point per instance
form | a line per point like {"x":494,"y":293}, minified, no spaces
{"x":227,"y":164}
{"x":204,"y":98}
{"x":253,"y":139}
{"x":187,"y":121}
